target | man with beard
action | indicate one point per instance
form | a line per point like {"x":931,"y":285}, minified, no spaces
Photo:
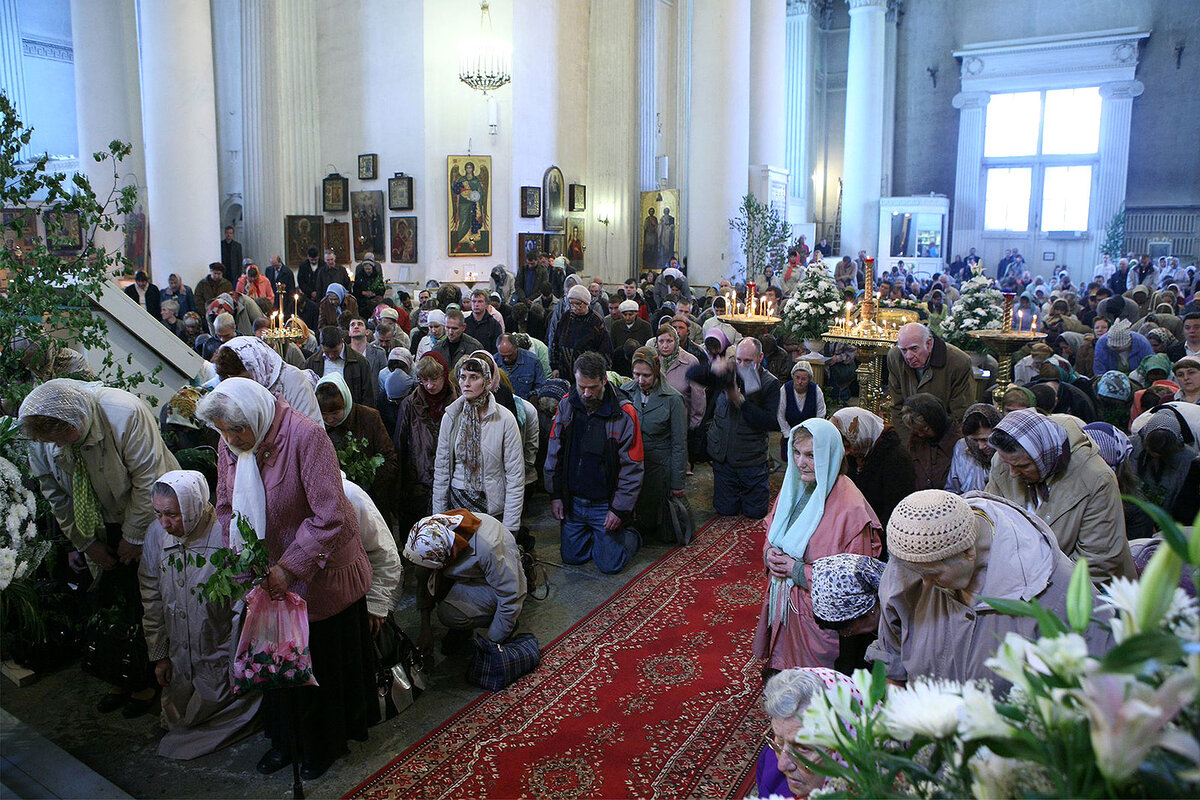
{"x":594,"y":469}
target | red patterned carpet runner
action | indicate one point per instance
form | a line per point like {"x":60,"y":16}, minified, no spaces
{"x":655,"y":694}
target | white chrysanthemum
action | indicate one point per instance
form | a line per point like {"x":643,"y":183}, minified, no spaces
{"x":819,"y":723}
{"x":978,"y":717}
{"x":925,"y":708}
{"x":8,"y":566}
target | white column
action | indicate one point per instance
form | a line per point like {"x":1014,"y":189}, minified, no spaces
{"x":862,"y":165}
{"x":968,"y":183}
{"x":647,"y":66}
{"x":180,"y":130}
{"x":1115,"y":115}
{"x":108,"y":103}
{"x":768,"y":89}
{"x":12,"y":63}
{"x":799,"y":61}
{"x":718,"y":137}
{"x":280,"y":122}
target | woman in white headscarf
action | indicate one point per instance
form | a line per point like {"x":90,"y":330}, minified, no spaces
{"x":251,"y":357}
{"x":190,"y":641}
{"x":313,"y":547}
{"x":819,"y":512}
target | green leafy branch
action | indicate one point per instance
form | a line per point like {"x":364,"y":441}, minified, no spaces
{"x":234,"y":571}
{"x":355,"y":461}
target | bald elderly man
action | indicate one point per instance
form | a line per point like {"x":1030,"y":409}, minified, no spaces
{"x":921,"y":362}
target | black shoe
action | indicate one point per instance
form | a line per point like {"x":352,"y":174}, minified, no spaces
{"x":273,"y":761}
{"x":135,"y":708}
{"x":311,"y":771}
{"x":111,"y":702}
{"x":457,"y":642}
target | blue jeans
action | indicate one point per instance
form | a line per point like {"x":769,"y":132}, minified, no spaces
{"x":584,"y":538}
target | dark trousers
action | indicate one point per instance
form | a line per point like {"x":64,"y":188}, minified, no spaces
{"x":741,"y":490}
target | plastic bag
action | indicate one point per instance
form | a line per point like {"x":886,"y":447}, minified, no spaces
{"x":273,"y":648}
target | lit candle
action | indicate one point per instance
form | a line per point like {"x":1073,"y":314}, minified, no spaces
{"x":1033,"y":327}
{"x":1020,"y":320}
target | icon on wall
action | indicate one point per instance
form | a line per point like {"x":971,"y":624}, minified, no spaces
{"x":659,"y":225}
{"x":368,"y":166}
{"x":531,"y":201}
{"x":578,"y":197}
{"x":404,"y":240}
{"x":554,"y":208}
{"x":367,"y":220}
{"x":400,"y":192}
{"x":335,"y":194}
{"x":468,"y":180}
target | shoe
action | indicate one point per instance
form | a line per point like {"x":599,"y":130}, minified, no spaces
{"x":273,"y":761}
{"x":457,"y":641}
{"x":111,"y":702}
{"x":135,"y":708}
{"x":312,"y":770}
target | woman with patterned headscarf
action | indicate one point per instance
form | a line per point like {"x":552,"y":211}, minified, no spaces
{"x":1166,"y":459}
{"x":972,"y":454}
{"x":418,"y":423}
{"x":663,"y":421}
{"x":876,"y":460}
{"x":190,"y":641}
{"x":480,"y":462}
{"x":95,"y":453}
{"x":251,"y":357}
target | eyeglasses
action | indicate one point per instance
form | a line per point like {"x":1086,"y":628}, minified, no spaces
{"x":793,"y":751}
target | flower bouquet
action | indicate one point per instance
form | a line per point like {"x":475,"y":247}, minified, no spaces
{"x":813,"y":308}
{"x":980,"y":306}
{"x":1121,"y":725}
{"x":273,"y":649}
{"x":21,"y":550}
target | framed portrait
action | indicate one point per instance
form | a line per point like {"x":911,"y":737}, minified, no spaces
{"x":368,"y":166}
{"x":575,"y":243}
{"x":531,"y":201}
{"x":404,"y":240}
{"x":578,"y":197}
{"x":335,"y":194}
{"x":556,"y":244}
{"x":469,"y":193}
{"x":20,"y":228}
{"x":529,"y":244}
{"x":337,"y":239}
{"x":137,"y":242}
{"x":554,"y":205}
{"x":63,"y":231}
{"x":366,"y":219}
{"x":400,"y":193}
{"x":300,"y":232}
{"x":658,"y":227}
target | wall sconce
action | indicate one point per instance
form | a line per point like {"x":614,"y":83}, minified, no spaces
{"x":604,"y":213}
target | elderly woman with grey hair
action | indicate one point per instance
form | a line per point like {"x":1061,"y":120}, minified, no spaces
{"x":786,"y":696}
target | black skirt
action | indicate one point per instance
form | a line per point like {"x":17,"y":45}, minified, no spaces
{"x":343,"y":705}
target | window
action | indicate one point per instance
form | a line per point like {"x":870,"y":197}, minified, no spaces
{"x":1038,"y":155}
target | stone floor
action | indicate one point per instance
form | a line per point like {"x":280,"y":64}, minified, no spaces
{"x":61,"y":706}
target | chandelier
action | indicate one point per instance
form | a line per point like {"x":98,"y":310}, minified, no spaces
{"x":485,"y":62}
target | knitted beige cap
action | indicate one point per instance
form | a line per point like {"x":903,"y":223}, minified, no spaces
{"x":930,"y":525}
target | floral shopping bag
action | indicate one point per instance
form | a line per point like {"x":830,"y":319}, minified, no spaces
{"x":273,"y":649}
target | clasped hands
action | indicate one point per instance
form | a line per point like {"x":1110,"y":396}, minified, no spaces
{"x":779,"y":563}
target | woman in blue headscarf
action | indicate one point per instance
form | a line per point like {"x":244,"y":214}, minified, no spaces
{"x":336,"y":305}
{"x":819,"y":512}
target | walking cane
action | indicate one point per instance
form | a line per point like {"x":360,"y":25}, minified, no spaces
{"x":294,"y":743}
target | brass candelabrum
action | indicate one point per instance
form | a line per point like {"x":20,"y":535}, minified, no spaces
{"x":872,"y":339}
{"x":281,"y":330}
{"x":756,"y":317}
{"x":1004,"y":342}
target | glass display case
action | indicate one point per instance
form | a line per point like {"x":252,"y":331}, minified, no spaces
{"x":912,"y":230}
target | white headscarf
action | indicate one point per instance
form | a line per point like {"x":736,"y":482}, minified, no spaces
{"x":191,"y":490}
{"x":870,"y":426}
{"x":262,"y":363}
{"x":71,"y":401}
{"x":249,"y":497}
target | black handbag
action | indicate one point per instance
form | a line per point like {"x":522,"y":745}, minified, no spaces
{"x":115,"y":652}
{"x":679,"y":515}
{"x":395,"y":648}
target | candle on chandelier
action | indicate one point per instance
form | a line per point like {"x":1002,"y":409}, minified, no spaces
{"x":1033,"y":327}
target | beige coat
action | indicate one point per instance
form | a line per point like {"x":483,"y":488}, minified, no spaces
{"x":947,"y":377}
{"x":1084,"y":509}
{"x":503,"y":462}
{"x":124,"y":455}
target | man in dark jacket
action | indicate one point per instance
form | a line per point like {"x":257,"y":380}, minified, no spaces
{"x":231,"y":256}
{"x":457,"y":342}
{"x":331,"y":272}
{"x":627,"y":328}
{"x":921,"y":362}
{"x":579,"y":331}
{"x":145,"y":294}
{"x":306,"y":276}
{"x":481,"y":325}
{"x":210,"y":288}
{"x":594,"y":469}
{"x":336,"y":355}
{"x":744,"y":413}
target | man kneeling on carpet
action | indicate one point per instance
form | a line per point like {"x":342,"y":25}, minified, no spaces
{"x":469,"y":567}
{"x":594,"y":468}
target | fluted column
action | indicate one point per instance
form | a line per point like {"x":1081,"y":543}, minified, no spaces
{"x":108,"y":102}
{"x":1116,"y":112}
{"x":862,"y":170}
{"x":280,"y":121}
{"x":12,"y":64}
{"x":647,"y":65}
{"x":718,"y":136}
{"x":180,"y":131}
{"x":798,"y":69}
{"x":968,"y":196}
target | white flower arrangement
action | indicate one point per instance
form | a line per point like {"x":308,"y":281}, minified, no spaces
{"x":20,"y":548}
{"x":814,"y":306}
{"x":980,"y":306}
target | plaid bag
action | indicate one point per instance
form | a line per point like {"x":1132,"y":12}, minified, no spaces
{"x":495,"y":666}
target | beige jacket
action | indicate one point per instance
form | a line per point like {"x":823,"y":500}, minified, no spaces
{"x":1084,"y":509}
{"x":124,"y":455}
{"x":503,"y":462}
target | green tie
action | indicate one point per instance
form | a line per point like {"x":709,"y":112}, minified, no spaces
{"x":88,"y":519}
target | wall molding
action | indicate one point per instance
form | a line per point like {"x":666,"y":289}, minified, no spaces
{"x":47,"y":49}
{"x":1051,"y":62}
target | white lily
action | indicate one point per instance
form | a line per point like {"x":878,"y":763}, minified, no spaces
{"x":978,"y":717}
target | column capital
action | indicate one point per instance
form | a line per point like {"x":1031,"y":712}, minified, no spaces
{"x":1122,"y":90}
{"x":800,"y":8}
{"x":965,"y":101}
{"x":856,"y":5}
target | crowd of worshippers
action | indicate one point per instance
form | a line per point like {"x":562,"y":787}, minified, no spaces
{"x":604,"y":399}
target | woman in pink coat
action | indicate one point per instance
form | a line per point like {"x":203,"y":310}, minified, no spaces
{"x":819,"y":512}
{"x":278,"y":469}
